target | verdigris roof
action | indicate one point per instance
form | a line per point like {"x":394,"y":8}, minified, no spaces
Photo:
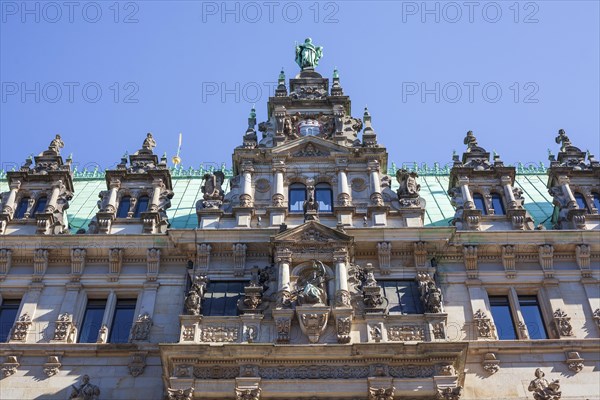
{"x":187,"y":182}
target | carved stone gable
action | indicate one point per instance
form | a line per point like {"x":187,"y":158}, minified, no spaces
{"x":312,"y":232}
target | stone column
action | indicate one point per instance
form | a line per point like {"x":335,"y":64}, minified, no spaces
{"x":463,"y":182}
{"x":278,"y":194}
{"x":343,"y":188}
{"x":283,"y":259}
{"x":157,"y":186}
{"x":563,"y":181}
{"x":52,"y":202}
{"x":342,"y":295}
{"x":376,"y":198}
{"x":508,"y":191}
{"x":114,"y":186}
{"x":9,"y":204}
{"x":246,"y":184}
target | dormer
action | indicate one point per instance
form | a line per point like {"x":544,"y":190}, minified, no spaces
{"x":574,"y":183}
{"x":38,"y":196}
{"x":312,"y":163}
{"x":483,"y":192}
{"x":137,"y":196}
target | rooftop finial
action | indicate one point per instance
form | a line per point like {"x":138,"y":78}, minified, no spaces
{"x":336,"y":74}
{"x":308,"y":55}
{"x":176,"y":159}
{"x":281,"y":79}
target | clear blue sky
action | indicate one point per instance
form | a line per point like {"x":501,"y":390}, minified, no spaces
{"x":162,"y":67}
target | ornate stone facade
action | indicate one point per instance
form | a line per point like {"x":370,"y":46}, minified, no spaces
{"x":312,"y":269}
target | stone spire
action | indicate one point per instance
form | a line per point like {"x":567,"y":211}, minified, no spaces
{"x":336,"y":88}
{"x":369,"y":135}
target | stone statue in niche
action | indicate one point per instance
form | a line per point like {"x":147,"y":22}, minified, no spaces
{"x":85,"y":391}
{"x":213,"y":193}
{"x":542,"y":390}
{"x":314,"y":291}
{"x":193,"y":298}
{"x":310,"y":205}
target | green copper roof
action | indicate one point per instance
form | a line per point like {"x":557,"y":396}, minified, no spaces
{"x":187,"y":183}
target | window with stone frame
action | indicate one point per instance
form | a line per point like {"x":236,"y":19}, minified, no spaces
{"x":581,"y":203}
{"x":22,"y":208}
{"x":504,"y":310}
{"x":8,"y":314}
{"x":296,"y":197}
{"x":40,"y":206}
{"x":324,"y":196}
{"x":221,"y":298}
{"x":92,"y":321}
{"x":141,"y":205}
{"x":122,"y":321}
{"x":498,"y":204}
{"x":479,"y":203}
{"x":117,"y":312}
{"x":124,"y":206}
{"x":596,"y":200}
{"x":403,"y":296}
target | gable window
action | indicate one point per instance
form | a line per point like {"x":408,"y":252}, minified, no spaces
{"x":479,"y":203}
{"x":141,"y":206}
{"x":221,"y":298}
{"x":124,"y":206}
{"x":596,"y":198}
{"x":580,"y":201}
{"x":22,"y":208}
{"x":497,"y":204}
{"x":122,"y":321}
{"x":92,"y":321}
{"x":40,"y":206}
{"x":8,"y":315}
{"x":297,"y":196}
{"x":324,"y":196}
{"x":403,"y":297}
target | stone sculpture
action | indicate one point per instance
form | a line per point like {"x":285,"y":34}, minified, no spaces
{"x":313,"y":291}
{"x":542,"y":390}
{"x":85,"y":391}
{"x":149,"y":142}
{"x":308,"y":55}
{"x":193,"y":299}
{"x":213,"y":193}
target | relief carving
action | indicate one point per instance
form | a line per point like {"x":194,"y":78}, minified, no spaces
{"x":483,"y":324}
{"x":21,"y":327}
{"x":219,"y":334}
{"x":64,"y":325}
{"x":405,"y":333}
{"x":141,"y":327}
{"x":85,"y":391}
{"x":381,"y":393}
{"x":247,"y":394}
{"x":10,"y":366}
{"x":542,"y":389}
{"x":52,"y":366}
{"x":563,"y":323}
{"x":180,"y":394}
{"x":490,"y":363}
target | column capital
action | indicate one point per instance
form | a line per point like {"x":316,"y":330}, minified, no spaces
{"x":114,"y":183}
{"x":373,"y":166}
{"x":15,"y":185}
{"x":340,"y":255}
{"x":283,"y":255}
{"x":463,"y":180}
{"x":506,"y":180}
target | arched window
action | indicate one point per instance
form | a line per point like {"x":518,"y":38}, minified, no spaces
{"x":22,"y":208}
{"x":479,"y":203}
{"x":124,"y":206}
{"x":497,"y":204}
{"x":297,"y":195}
{"x":324,"y":197}
{"x":596,"y":198}
{"x":40,"y":206}
{"x":142,"y":206}
{"x":580,"y":201}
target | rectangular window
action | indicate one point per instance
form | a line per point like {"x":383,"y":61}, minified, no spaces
{"x":122,"y":321}
{"x":92,"y":321}
{"x":8,"y":315}
{"x":532,"y":316}
{"x":221,"y":298}
{"x":502,"y":315}
{"x":403,"y":297}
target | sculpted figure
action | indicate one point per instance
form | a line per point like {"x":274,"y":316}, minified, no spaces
{"x":562,"y":139}
{"x":381,"y":394}
{"x":149,"y":142}
{"x":310,"y":205}
{"x":56,"y":144}
{"x":470,"y":140}
{"x":542,"y":390}
{"x":408,"y":183}
{"x":433,"y":298}
{"x":193,"y":298}
{"x":314,"y":291}
{"x":85,"y":391}
{"x":308,"y":55}
{"x":212,"y":186}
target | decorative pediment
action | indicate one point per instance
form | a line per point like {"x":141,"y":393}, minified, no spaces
{"x":310,"y":147}
{"x":314,"y":233}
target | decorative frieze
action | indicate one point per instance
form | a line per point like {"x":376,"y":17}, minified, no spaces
{"x":384,"y":252}
{"x":483,"y":324}
{"x":574,"y":361}
{"x":40,"y":264}
{"x":508,"y":260}
{"x":239,"y":258}
{"x":10,"y":365}
{"x":490,"y":363}
{"x":137,"y":363}
{"x":404,"y":333}
{"x":470,"y":259}
{"x":5,"y":262}
{"x":152,"y":264}
{"x":563,"y":323}
{"x":77,"y":263}
{"x":140,"y":330}
{"x":546,"y":258}
{"x":219,"y":334}
{"x":52,"y":365}
{"x":63,"y":328}
{"x":115,"y":262}
{"x":20,"y":328}
{"x":381,"y":393}
{"x":582,"y":256}
{"x":542,"y":389}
